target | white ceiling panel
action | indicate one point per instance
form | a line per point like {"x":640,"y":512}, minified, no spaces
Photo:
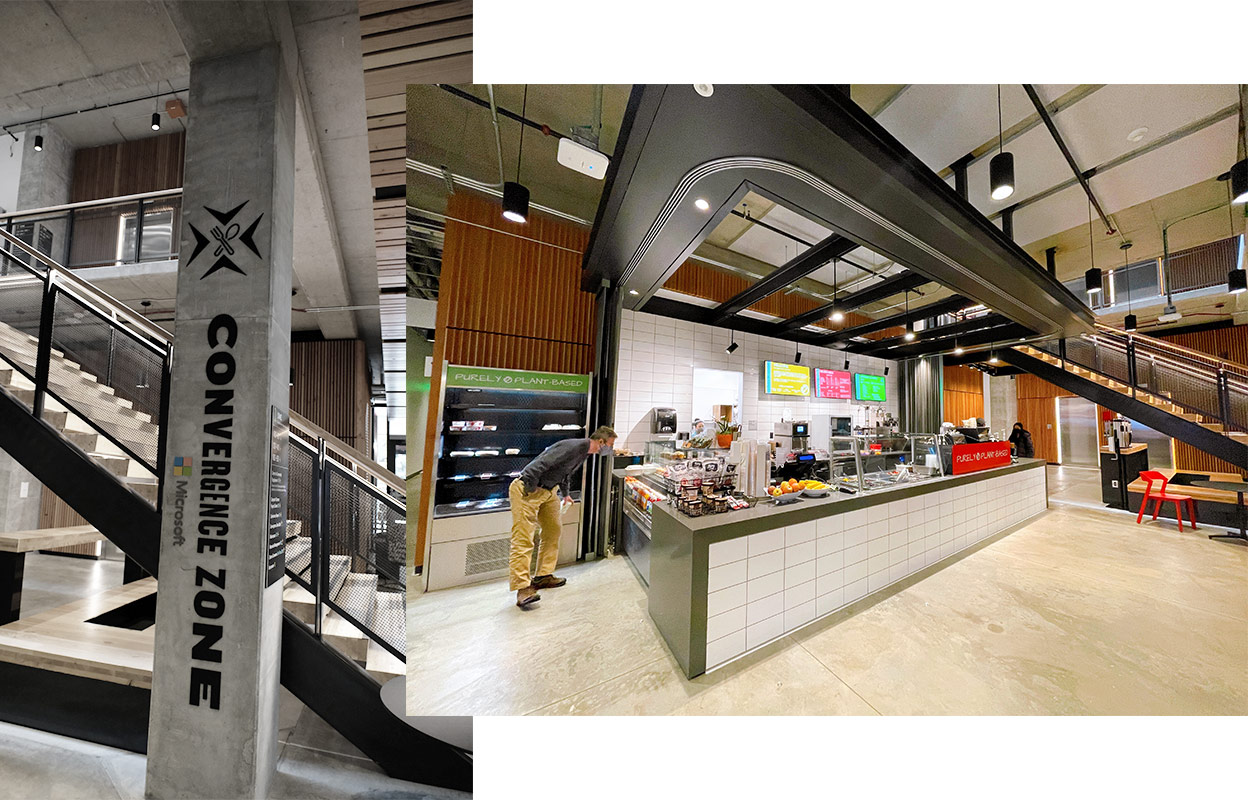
{"x":1192,"y":159}
{"x":940,"y":123}
{"x":1096,"y":128}
{"x":1051,"y":215}
{"x":773,"y":248}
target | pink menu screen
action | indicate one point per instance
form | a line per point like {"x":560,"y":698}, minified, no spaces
{"x":832,"y":384}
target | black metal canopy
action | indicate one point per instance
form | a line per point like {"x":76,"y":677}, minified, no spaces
{"x":813,"y":150}
{"x":797,"y":268}
{"x":894,"y":284}
{"x":947,"y":306}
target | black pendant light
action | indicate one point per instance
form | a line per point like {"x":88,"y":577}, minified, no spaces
{"x":732,"y":346}
{"x":909,"y":337}
{"x":837,"y":315}
{"x":516,"y":194}
{"x":1092,"y":280}
{"x":1236,"y":281}
{"x":1128,"y":323}
{"x":1001,"y":167}
{"x":156,"y":113}
{"x":797,"y":355}
{"x":1239,"y":182}
{"x":39,"y":136}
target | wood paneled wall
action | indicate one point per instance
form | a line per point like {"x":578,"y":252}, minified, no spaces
{"x":1037,"y":411}
{"x":1189,"y":458}
{"x":142,"y":165}
{"x":699,"y":280}
{"x":510,"y":297}
{"x":331,"y":389}
{"x":56,"y":513}
{"x":963,"y":393}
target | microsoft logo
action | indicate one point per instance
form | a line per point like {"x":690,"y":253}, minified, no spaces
{"x":181,"y":466}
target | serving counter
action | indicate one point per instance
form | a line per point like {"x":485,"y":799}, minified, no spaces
{"x":725,"y":584}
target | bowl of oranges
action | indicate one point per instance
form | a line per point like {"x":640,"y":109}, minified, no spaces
{"x":792,"y":488}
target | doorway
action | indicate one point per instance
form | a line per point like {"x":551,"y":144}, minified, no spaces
{"x":1078,"y":440}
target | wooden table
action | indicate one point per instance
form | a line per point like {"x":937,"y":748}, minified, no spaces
{"x":14,"y":545}
{"x":1238,"y":487}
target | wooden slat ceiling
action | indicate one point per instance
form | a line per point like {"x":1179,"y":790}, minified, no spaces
{"x":403,"y":42}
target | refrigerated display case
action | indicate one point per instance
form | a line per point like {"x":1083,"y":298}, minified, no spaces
{"x":492,"y":422}
{"x":872,"y":461}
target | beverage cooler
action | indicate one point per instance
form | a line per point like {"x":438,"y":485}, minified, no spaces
{"x":492,"y":422}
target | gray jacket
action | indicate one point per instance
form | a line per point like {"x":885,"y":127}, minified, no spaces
{"x":555,"y":464}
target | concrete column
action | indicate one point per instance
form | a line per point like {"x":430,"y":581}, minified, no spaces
{"x":46,"y":179}
{"x":213,"y":729}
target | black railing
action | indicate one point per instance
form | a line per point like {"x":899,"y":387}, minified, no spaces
{"x":125,"y":230}
{"x":76,"y":345}
{"x":1201,"y":384}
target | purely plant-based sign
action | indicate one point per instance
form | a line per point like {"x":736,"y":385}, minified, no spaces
{"x":786,"y":379}
{"x":974,"y":456}
{"x":869,"y":388}
{"x":488,"y":378}
{"x":832,"y":384}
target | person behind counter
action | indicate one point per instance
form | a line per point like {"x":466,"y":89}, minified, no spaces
{"x":536,"y":502}
{"x":698,"y":430}
{"x":1021,"y":440}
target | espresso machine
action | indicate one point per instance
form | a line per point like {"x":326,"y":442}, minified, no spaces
{"x":1118,"y":433}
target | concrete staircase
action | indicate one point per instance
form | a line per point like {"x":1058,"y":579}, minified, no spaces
{"x":357,"y":593}
{"x":1158,"y":402}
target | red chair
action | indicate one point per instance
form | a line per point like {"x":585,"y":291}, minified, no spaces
{"x":1149,"y":477}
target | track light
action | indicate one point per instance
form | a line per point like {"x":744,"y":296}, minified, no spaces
{"x":847,"y":365}
{"x":886,"y":370}
{"x":1001,"y":167}
{"x":1092,"y":281}
{"x":1236,"y":281}
{"x":732,"y":344}
{"x":515,"y":202}
{"x":38,"y":143}
{"x":797,"y":357}
{"x":156,"y":121}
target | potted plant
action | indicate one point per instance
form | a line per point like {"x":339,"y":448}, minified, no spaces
{"x":725,"y":432}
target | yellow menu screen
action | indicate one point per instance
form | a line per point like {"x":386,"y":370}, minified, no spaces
{"x":786,"y":379}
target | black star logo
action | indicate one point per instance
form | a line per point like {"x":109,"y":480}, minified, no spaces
{"x":225,"y":234}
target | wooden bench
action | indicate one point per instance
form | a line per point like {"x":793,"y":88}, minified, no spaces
{"x":1213,"y":506}
{"x":14,"y":545}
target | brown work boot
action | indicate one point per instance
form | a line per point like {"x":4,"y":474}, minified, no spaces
{"x":547,"y":582}
{"x":526,"y":596}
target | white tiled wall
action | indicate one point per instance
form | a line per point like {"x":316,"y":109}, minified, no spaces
{"x":658,"y":355}
{"x":762,"y":586}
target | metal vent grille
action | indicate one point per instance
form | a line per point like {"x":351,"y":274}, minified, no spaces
{"x":488,"y":556}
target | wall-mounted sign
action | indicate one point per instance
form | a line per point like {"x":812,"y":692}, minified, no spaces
{"x":973,"y":457}
{"x":487,"y":378}
{"x":833,"y":384}
{"x":789,"y":379}
{"x":869,"y":388}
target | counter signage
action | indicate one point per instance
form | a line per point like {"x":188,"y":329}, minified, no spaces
{"x":869,"y":388}
{"x":486,"y":378}
{"x":833,"y":384}
{"x":786,"y":379}
{"x":980,"y":455}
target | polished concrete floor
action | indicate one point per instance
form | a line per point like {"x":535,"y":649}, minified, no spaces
{"x":315,"y":761}
{"x":1077,"y":611}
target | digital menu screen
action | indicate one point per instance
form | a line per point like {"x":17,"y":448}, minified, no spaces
{"x":869,"y":388}
{"x":832,"y":384}
{"x":786,"y":379}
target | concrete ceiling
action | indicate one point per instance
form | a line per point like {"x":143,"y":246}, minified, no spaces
{"x":113,"y":53}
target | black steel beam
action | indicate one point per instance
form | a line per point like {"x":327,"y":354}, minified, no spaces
{"x":1070,"y":159}
{"x":888,"y":287}
{"x":1010,"y":332}
{"x":691,"y":313}
{"x":797,"y":268}
{"x":954,"y":329}
{"x":946,"y":306}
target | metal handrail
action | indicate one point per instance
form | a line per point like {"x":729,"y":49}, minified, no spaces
{"x":348,"y":452}
{"x":88,"y":293}
{"x":108,"y":201}
{"x":1162,"y":344}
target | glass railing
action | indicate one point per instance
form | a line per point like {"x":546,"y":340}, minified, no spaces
{"x":101,"y":233}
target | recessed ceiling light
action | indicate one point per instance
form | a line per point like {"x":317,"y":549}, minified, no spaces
{"x":702,"y":204}
{"x":1137,"y":134}
{"x":704,"y":89}
{"x":633,"y":291}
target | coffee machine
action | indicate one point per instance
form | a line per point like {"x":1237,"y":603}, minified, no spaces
{"x":1118,"y":430}
{"x":791,"y":437}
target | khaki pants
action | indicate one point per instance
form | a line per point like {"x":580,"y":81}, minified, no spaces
{"x":528,"y":512}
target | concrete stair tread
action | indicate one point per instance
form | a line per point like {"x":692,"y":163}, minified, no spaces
{"x":382,"y":664}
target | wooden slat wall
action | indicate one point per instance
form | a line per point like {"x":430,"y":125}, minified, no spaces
{"x":963,"y":393}
{"x":56,"y":513}
{"x":331,"y":388}
{"x":1037,"y":412}
{"x":510,"y":297}
{"x":699,"y":280}
{"x":114,"y":170}
{"x":1189,"y":458}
